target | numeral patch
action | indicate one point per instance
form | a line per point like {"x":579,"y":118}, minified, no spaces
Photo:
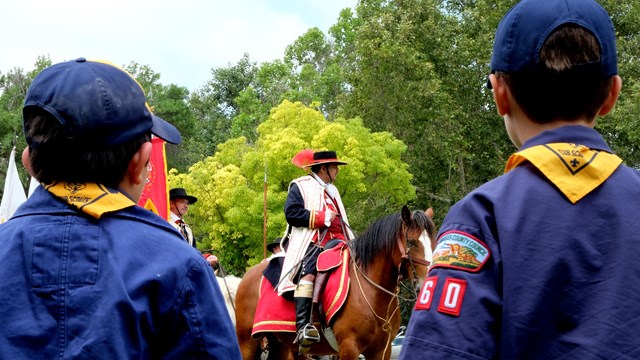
{"x":426,"y":294}
{"x":452,"y":296}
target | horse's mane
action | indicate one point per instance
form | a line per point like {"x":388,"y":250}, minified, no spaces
{"x":380,"y":237}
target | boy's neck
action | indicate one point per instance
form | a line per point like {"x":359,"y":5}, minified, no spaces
{"x":531,"y":128}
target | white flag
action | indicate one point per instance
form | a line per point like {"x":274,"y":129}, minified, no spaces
{"x":33,"y":184}
{"x":13,"y":195}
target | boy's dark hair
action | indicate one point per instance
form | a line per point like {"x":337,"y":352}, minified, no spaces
{"x":567,"y":83}
{"x":58,"y":158}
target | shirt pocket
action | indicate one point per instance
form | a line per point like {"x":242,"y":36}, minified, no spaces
{"x":65,"y":254}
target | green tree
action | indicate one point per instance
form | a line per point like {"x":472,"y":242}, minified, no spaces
{"x":229,"y":82}
{"x":251,"y":113}
{"x":400,"y":85}
{"x":317,"y":76}
{"x":13,"y":89}
{"x":273,"y":81}
{"x":622,"y":127}
{"x":215,"y":105}
{"x":170,"y":102}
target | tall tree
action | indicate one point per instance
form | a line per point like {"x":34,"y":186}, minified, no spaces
{"x":622,"y":127}
{"x":13,"y":89}
{"x":170,"y":102}
{"x":229,"y":82}
{"x":410,"y":70}
{"x":319,"y":75}
{"x":216,"y":104}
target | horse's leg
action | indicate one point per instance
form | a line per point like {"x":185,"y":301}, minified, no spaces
{"x":249,"y":347}
{"x":280,"y":351}
{"x":349,"y":350}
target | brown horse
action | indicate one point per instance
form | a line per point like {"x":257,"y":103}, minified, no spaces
{"x":392,"y":248}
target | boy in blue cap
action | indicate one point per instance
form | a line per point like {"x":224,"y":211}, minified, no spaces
{"x":542,"y":262}
{"x":76,"y":277}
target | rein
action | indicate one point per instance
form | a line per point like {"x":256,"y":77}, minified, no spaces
{"x":406,"y":256}
{"x":386,"y":322}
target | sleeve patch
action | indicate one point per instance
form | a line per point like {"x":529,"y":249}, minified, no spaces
{"x":458,"y":250}
{"x":452,"y":296}
{"x":426,"y":294}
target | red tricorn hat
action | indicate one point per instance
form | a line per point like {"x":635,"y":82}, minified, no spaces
{"x":307,"y":158}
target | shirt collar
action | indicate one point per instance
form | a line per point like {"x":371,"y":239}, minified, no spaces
{"x":315,"y":176}
{"x":174,"y":217}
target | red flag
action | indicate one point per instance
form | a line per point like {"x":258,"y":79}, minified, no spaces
{"x":155,"y":196}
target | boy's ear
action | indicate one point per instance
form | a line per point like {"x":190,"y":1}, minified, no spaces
{"x":25,"y":160}
{"x":138,"y":163}
{"x":612,"y":98}
{"x":500,"y":94}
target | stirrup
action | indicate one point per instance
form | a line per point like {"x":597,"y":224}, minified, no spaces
{"x":307,"y":336}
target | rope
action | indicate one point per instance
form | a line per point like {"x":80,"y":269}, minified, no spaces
{"x":378,"y":286}
{"x":224,"y":279}
{"x":386,"y":323}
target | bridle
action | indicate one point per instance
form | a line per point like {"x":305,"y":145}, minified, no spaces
{"x":406,"y":253}
{"x":405,"y":256}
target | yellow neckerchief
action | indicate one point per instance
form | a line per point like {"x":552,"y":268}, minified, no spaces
{"x":93,"y":199}
{"x":575,"y":169}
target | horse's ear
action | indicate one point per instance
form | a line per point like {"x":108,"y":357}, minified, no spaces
{"x":429,"y":212}
{"x":406,"y":214}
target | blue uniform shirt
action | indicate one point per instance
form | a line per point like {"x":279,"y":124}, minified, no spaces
{"x":535,"y":276}
{"x":125,"y":286}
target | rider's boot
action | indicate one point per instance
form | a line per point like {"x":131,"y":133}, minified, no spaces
{"x":307,"y":334}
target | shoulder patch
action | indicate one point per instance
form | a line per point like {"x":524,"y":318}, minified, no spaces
{"x":459,"y":250}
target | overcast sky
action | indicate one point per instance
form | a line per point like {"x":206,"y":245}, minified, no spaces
{"x":180,"y":39}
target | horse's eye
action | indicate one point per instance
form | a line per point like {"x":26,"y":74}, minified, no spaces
{"x":412,"y":243}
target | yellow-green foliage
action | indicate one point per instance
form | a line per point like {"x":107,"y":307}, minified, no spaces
{"x":230,"y":185}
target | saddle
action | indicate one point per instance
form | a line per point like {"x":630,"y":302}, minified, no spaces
{"x":276,"y":313}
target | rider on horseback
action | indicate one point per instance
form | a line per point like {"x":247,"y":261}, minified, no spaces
{"x":315,"y":215}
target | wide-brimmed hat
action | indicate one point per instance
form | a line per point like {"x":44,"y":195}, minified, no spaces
{"x":275,"y":243}
{"x":180,"y":193}
{"x":307,"y":158}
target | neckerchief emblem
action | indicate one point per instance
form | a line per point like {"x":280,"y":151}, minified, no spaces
{"x":73,"y":188}
{"x":574,"y":169}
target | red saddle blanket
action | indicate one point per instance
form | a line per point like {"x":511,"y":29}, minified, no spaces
{"x":277,"y":314}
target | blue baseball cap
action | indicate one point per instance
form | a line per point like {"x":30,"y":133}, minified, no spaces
{"x":525,"y":28}
{"x":97,"y":103}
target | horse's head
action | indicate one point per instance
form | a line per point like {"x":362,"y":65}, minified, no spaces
{"x":406,"y":238}
{"x":415,"y":243}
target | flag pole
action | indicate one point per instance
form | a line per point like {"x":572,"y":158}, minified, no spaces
{"x":264,"y":216}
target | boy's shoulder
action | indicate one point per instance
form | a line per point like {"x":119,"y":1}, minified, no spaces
{"x":147,"y":220}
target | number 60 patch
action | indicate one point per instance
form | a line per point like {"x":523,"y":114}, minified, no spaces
{"x":450,"y":299}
